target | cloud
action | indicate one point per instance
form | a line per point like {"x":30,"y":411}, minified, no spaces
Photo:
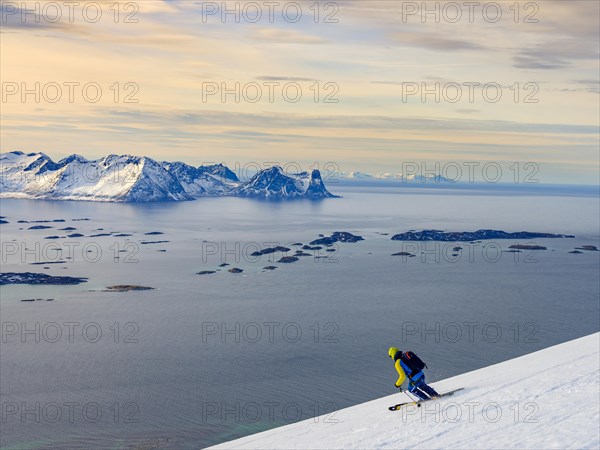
{"x":568,"y":32}
{"x":279,"y":36}
{"x":552,"y":55}
{"x":17,"y":18}
{"x":276,"y":78}
{"x":179,"y":120}
{"x":431,"y":41}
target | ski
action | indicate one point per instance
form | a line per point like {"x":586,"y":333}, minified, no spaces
{"x":418,"y":402}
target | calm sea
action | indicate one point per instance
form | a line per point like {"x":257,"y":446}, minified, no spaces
{"x":207,"y":358}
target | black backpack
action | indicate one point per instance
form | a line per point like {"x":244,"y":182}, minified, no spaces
{"x":414,"y":363}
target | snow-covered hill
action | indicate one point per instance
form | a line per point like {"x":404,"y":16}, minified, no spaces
{"x":128,"y":178}
{"x":547,"y":399}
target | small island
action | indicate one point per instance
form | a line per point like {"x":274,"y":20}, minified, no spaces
{"x":337,"y":236}
{"x":288,"y":259}
{"x":270,"y":250}
{"x":127,"y":288}
{"x":527,"y":247}
{"x":38,"y":279}
{"x":590,"y":248}
{"x":309,"y":247}
{"x":470,"y":236}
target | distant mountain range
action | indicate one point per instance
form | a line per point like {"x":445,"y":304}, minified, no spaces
{"x":397,"y":177}
{"x":127,"y":178}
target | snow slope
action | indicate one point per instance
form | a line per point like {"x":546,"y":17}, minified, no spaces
{"x":547,"y":399}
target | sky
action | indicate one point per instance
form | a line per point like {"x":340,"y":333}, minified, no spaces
{"x":368,"y":86}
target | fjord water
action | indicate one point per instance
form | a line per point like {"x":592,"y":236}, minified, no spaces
{"x":170,"y":370}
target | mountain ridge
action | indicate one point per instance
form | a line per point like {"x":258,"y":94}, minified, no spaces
{"x":128,"y":178}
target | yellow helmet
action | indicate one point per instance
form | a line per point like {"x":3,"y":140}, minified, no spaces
{"x":392,"y":351}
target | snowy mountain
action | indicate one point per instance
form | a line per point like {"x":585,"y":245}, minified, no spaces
{"x":113,"y":178}
{"x":273,"y":183}
{"x":203,"y":181}
{"x":393,"y":177}
{"x":128,"y":178}
{"x":547,"y":399}
{"x":221,"y":171}
{"x":356,"y":175}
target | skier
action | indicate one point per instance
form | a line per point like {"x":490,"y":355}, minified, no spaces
{"x":409,"y":364}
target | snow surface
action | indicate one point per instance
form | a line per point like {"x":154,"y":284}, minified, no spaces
{"x":547,"y":399}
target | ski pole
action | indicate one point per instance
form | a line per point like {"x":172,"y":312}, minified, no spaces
{"x":410,"y":398}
